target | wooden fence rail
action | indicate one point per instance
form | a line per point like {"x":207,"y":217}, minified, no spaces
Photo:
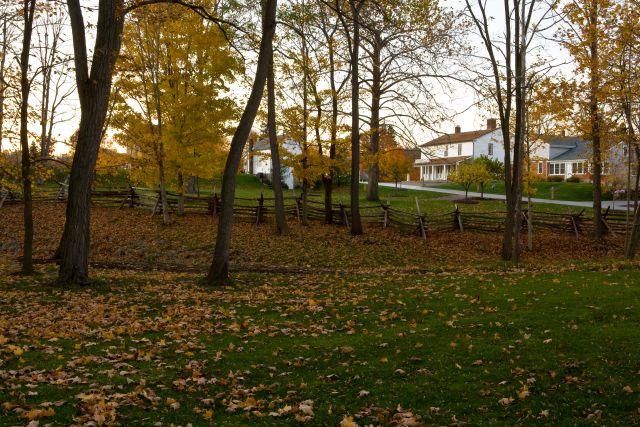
{"x":257,"y":210}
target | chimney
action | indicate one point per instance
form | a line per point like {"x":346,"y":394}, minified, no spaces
{"x":563,"y":132}
{"x":458,"y":129}
{"x":491,"y":124}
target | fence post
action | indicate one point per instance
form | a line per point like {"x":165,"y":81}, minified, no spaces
{"x":574,"y":224}
{"x":525,"y":219}
{"x":604,"y":220}
{"x":259,"y":209}
{"x":133,"y":196}
{"x":5,"y":193}
{"x":458,"y":219}
{"x":423,"y":230}
{"x":298,"y":209}
{"x":386,"y":216}
{"x":158,"y":203}
{"x":421,"y":220}
{"x":343,"y":213}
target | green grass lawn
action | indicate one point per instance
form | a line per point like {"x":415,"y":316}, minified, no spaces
{"x":574,"y":191}
{"x":404,"y":199}
{"x":483,"y":348}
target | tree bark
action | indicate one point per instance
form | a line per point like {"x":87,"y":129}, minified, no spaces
{"x":356,"y":224}
{"x":93,"y":92}
{"x":305,"y":119}
{"x":634,"y":235}
{"x":519,"y":134}
{"x":594,"y":107}
{"x":374,"y":168}
{"x":192,"y":184}
{"x":219,"y":270}
{"x":3,"y":85}
{"x":281,"y":223}
{"x":180,"y":194}
{"x":327,"y":179}
{"x":27,"y":255}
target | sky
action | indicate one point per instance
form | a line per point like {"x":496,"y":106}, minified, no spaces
{"x":461,"y":101}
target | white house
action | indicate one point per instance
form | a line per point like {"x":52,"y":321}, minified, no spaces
{"x":570,"y":157}
{"x":261,"y":158}
{"x":443,"y":154}
{"x":561,"y":156}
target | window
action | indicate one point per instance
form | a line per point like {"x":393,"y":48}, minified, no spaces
{"x":556,"y":168}
{"x":577,"y":168}
{"x":540,"y":165}
{"x":459,"y":149}
{"x":446,"y":151}
{"x":490,"y":149}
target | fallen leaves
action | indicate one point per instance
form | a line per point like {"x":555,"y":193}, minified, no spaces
{"x":159,"y":345}
{"x":36,"y":414}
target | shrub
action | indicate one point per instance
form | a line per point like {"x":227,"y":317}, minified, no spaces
{"x":555,"y":179}
{"x":573,"y":179}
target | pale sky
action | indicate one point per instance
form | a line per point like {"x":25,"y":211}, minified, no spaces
{"x":462,"y":101}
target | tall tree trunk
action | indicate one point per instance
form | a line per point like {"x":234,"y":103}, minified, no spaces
{"x":328,"y":178}
{"x":356,"y":224}
{"x":164,"y":203}
{"x":192,"y":184}
{"x":521,"y":115}
{"x":594,"y":110}
{"x":250,"y":154}
{"x":166,"y":218}
{"x":305,"y":120}
{"x":374,"y":168}
{"x":181,"y":194}
{"x":3,"y":85}
{"x":634,"y":235}
{"x":219,"y":270}
{"x":27,"y":255}
{"x":281,"y":223}
{"x":93,"y":92}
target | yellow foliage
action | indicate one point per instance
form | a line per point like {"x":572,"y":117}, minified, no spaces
{"x":168,"y":105}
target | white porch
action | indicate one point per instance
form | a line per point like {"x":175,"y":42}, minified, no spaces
{"x":435,"y":172}
{"x":438,"y":169}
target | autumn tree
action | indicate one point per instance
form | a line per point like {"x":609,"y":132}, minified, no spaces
{"x":169,"y":111}
{"x":219,"y":270}
{"x":350,"y":19}
{"x":7,"y":17}
{"x":281,"y":224}
{"x":316,"y":75}
{"x":28,"y":13}
{"x":468,"y":173}
{"x":53,"y":80}
{"x":587,"y":39}
{"x":494,"y":169}
{"x":394,"y":165}
{"x":626,"y":96}
{"x":507,"y":68}
{"x":93,"y":86}
{"x":408,"y":46}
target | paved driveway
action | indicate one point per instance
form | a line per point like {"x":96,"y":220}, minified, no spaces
{"x":614,"y":204}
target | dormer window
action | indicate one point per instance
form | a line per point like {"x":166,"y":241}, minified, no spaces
{"x":459,"y":149}
{"x":446,"y":151}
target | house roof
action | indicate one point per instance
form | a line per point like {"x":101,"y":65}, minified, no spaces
{"x":442,"y":161}
{"x":454,"y":138}
{"x":577,"y":148}
{"x":261,"y":145}
{"x":413,"y":153}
